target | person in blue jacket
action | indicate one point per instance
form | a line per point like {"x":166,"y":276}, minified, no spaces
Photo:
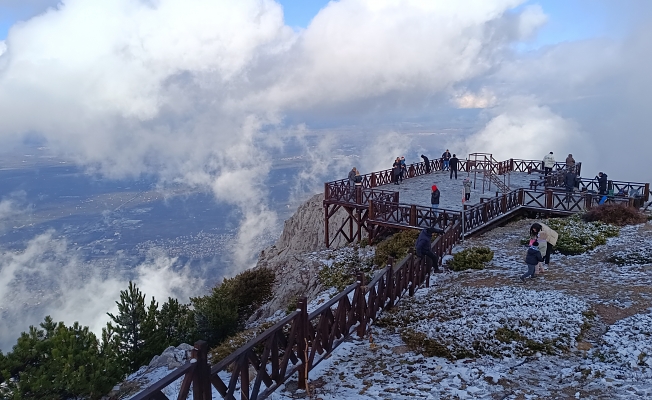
{"x":423,"y":246}
{"x":532,"y":259}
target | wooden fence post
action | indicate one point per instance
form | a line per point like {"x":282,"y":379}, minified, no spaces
{"x":201,"y":379}
{"x":549,"y":203}
{"x":646,"y":192}
{"x":361,"y":311}
{"x":302,"y":342}
{"x":413,"y":215}
{"x":391,"y":286}
{"x":373,"y":182}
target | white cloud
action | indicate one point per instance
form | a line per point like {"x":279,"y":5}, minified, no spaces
{"x":524,"y":128}
{"x":49,"y":278}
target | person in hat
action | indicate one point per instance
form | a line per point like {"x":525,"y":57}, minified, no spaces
{"x":434,"y":198}
{"x":423,"y":246}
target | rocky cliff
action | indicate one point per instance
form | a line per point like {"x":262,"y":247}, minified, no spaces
{"x":296,"y":273}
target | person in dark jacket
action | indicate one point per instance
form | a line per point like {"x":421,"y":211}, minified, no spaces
{"x":396,"y":170}
{"x":426,"y":162}
{"x":453,"y":165}
{"x":445,"y":158}
{"x":352,"y":174}
{"x":403,"y":169}
{"x":569,"y":183}
{"x":423,"y":247}
{"x":602,"y":183}
{"x":434,"y":199}
{"x":532,"y":259}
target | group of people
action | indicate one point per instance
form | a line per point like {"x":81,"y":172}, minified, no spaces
{"x":399,"y":169}
{"x":541,"y":244}
{"x":549,"y":163}
{"x":450,"y":163}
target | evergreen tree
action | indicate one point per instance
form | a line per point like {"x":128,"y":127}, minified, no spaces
{"x":153,"y":338}
{"x":128,"y":325}
{"x":58,"y":362}
{"x":216,"y":315}
{"x":177,"y":323}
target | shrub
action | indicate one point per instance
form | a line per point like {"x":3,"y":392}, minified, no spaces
{"x":471,"y":258}
{"x":640,"y":257}
{"x":342,"y":273}
{"x":396,"y":246}
{"x":221,"y":313}
{"x":234,"y":342}
{"x":616,"y":214}
{"x":577,"y":236}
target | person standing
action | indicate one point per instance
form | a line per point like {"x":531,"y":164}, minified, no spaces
{"x":426,"y":162}
{"x":569,"y":182}
{"x":453,"y":162}
{"x":532,"y":259}
{"x":403,"y":169}
{"x":352,"y":174}
{"x":434,"y":199}
{"x":602,"y":183}
{"x":570,"y":162}
{"x":423,"y":246}
{"x":551,"y":237}
{"x":467,"y":189}
{"x":548,"y":163}
{"x":396,"y":170}
{"x":445,"y":158}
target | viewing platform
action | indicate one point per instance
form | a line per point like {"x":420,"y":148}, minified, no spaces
{"x":500,"y":189}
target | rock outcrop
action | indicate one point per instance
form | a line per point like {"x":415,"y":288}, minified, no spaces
{"x":296,"y":273}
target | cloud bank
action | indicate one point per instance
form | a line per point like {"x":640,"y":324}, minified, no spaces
{"x":49,"y":277}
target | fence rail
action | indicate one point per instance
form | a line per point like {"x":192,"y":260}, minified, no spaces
{"x":299,"y":342}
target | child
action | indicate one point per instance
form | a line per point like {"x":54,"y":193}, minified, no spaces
{"x":532,"y":258}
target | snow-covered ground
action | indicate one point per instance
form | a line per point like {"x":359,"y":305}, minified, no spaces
{"x":417,"y":190}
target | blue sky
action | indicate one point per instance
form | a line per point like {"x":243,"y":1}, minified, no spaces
{"x":568,"y":19}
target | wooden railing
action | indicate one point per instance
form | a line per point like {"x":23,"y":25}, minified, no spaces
{"x":300,"y":341}
{"x":389,"y":214}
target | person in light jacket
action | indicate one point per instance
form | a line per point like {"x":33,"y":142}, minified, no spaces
{"x":467,"y":189}
{"x":548,"y":163}
{"x":550,"y":235}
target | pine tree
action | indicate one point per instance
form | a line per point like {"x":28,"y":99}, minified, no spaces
{"x":128,"y":325}
{"x":153,"y":338}
{"x":177,"y":322}
{"x":59,"y":362}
